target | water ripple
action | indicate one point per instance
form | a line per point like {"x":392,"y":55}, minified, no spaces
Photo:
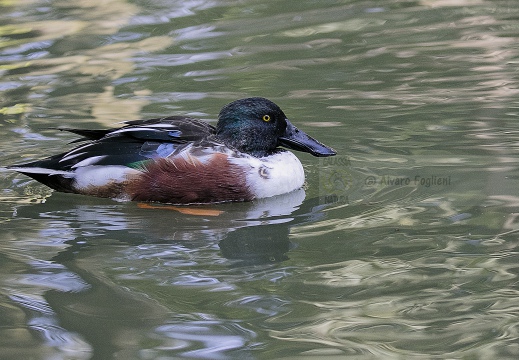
{"x":208,"y":339}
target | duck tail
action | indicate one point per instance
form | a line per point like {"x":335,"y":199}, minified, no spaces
{"x":40,"y":171}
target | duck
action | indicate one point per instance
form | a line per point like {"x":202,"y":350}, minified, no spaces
{"x":183,"y":160}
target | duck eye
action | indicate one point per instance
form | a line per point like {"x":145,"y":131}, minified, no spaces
{"x":266,"y":118}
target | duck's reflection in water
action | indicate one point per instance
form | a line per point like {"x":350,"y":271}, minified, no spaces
{"x":109,"y":315}
{"x":255,"y":232}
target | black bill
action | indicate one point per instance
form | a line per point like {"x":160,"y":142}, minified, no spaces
{"x":295,"y":139}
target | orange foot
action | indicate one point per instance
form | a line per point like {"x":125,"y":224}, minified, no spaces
{"x":182,"y":210}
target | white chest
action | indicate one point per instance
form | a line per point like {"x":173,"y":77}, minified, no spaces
{"x":273,"y":175}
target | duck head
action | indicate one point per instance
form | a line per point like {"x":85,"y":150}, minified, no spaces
{"x":257,"y":126}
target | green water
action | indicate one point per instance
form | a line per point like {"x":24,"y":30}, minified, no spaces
{"x":403,"y":246}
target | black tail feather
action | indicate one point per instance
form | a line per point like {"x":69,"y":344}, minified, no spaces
{"x":56,"y":182}
{"x":87,"y":134}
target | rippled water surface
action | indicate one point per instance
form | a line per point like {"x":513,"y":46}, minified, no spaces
{"x":403,"y":246}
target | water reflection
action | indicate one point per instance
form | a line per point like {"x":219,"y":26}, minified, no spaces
{"x":260,"y":244}
{"x":167,"y":245}
{"x":257,"y":232}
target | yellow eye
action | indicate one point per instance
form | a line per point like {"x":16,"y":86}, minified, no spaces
{"x":266,"y":118}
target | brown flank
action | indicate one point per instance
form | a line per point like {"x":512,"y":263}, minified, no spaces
{"x":177,"y":181}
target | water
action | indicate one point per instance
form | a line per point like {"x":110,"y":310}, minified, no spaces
{"x":403,"y":246}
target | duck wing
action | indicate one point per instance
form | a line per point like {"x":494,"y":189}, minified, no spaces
{"x":176,"y":127}
{"x":137,"y":141}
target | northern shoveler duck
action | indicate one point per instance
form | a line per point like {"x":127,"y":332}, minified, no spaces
{"x":182,"y":160}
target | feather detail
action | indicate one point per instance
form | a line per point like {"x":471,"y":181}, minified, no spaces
{"x":180,"y":181}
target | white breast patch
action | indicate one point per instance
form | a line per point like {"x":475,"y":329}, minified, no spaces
{"x":272,"y":175}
